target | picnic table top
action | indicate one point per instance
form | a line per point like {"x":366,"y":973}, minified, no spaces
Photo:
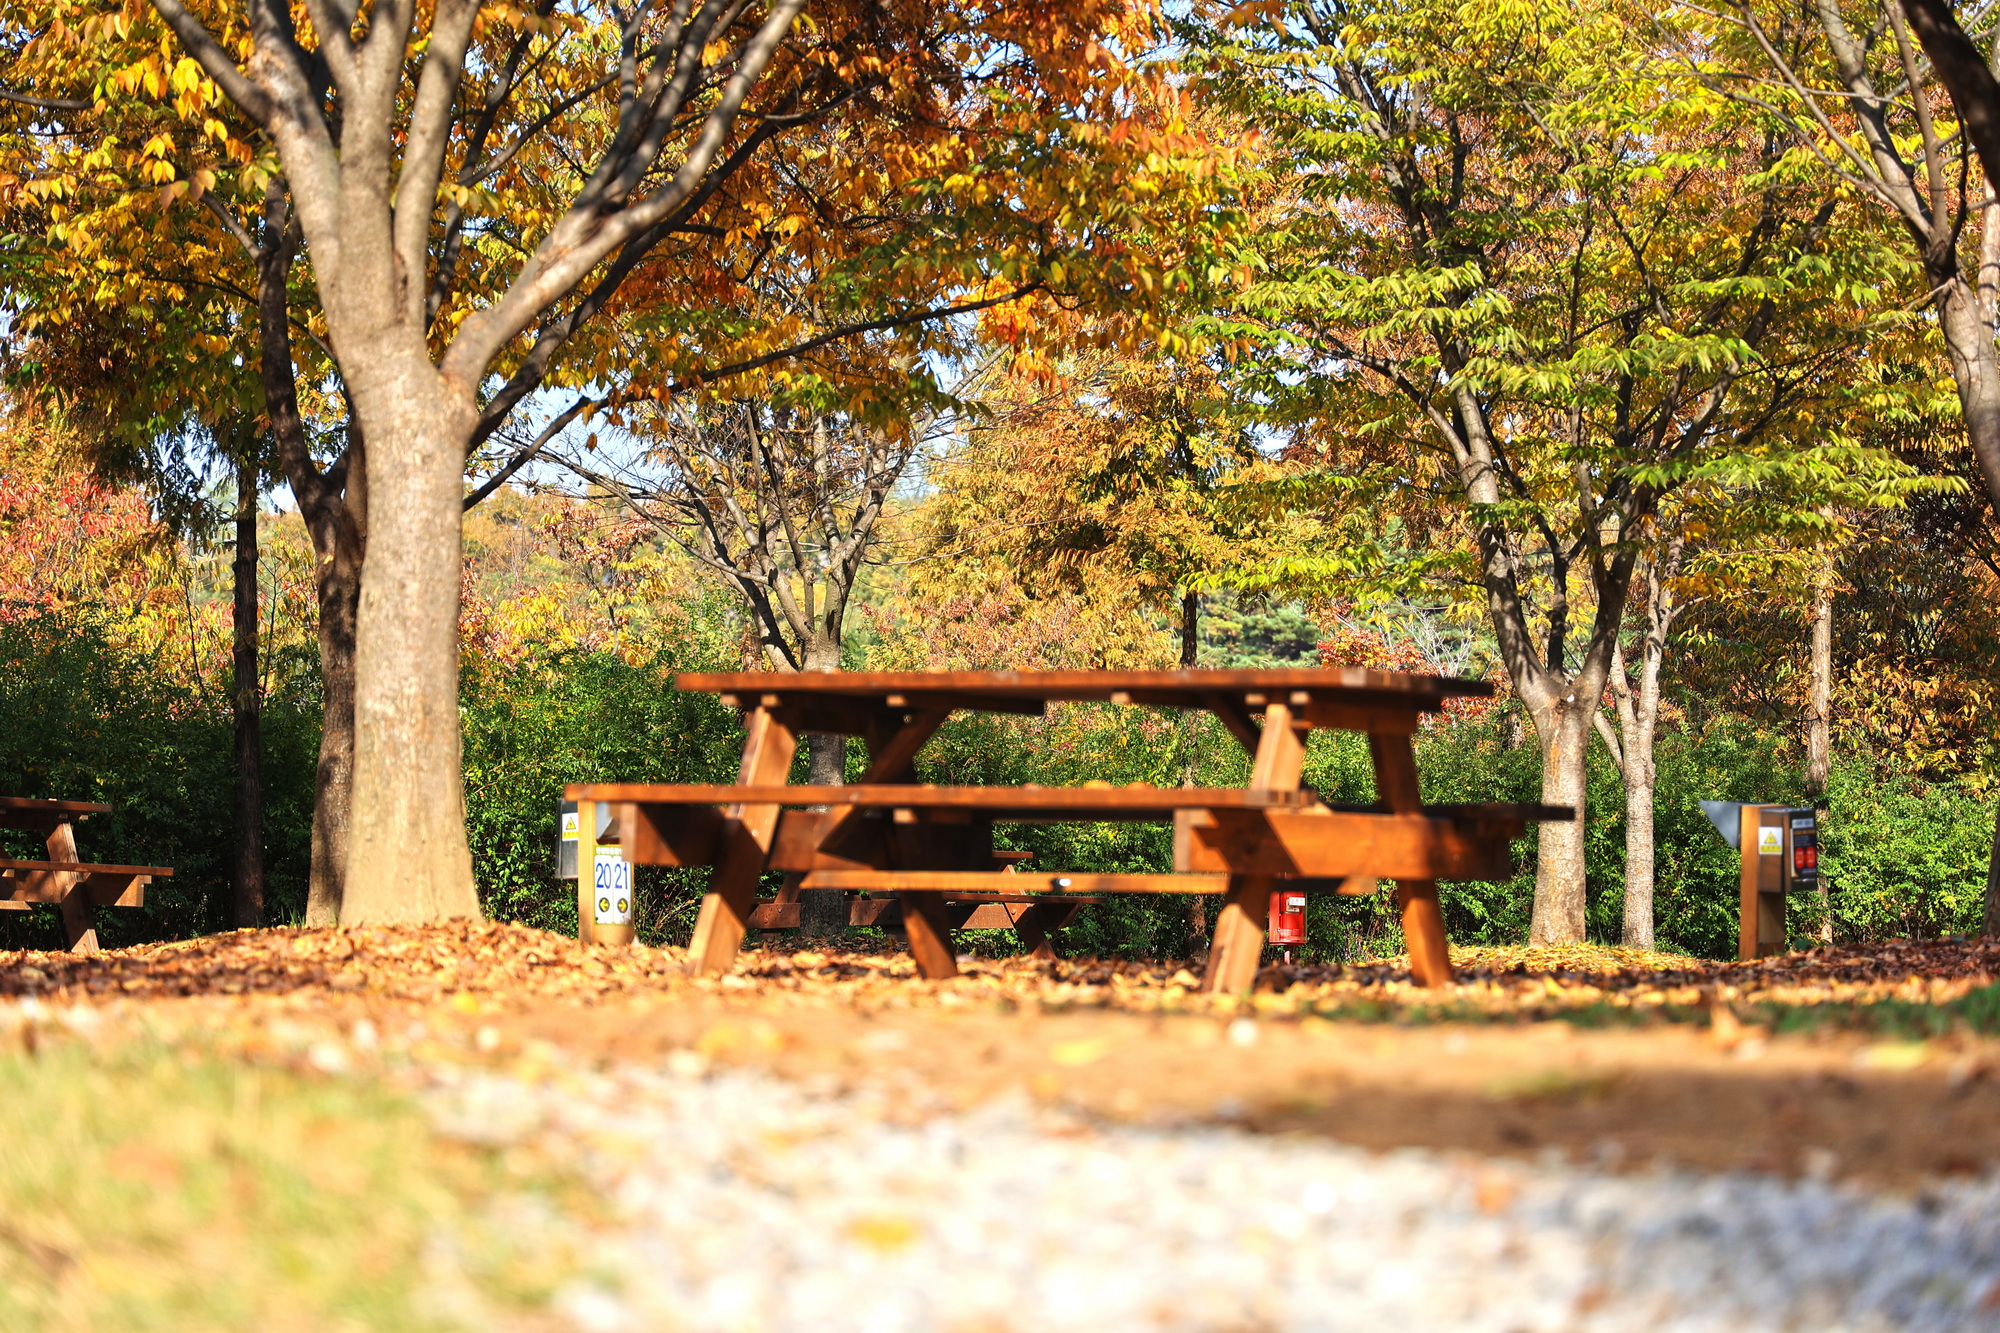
{"x":984,"y":800}
{"x":1177,"y":689}
{"x":33,"y":805}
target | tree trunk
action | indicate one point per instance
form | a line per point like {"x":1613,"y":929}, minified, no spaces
{"x":407,"y":855}
{"x":1975,"y":370}
{"x":339,"y":588}
{"x":1190,"y":630}
{"x":1564,"y":733}
{"x":1819,"y":727}
{"x":1640,"y":777}
{"x":824,"y":911}
{"x":246,"y":705}
{"x":1819,"y":707}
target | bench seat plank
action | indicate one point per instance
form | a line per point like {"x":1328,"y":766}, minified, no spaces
{"x":84,"y":868}
{"x":961,"y":883}
{"x":1337,"y":844}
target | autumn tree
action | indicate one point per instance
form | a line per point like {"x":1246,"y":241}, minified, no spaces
{"x":1526,"y":279}
{"x":472,"y":190}
{"x":1114,"y":468}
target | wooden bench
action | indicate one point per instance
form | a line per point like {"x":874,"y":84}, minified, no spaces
{"x":887,"y":834}
{"x":76,"y":888}
{"x":1034,"y":918}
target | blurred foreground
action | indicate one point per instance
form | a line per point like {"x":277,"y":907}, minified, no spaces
{"x":483,"y":1126}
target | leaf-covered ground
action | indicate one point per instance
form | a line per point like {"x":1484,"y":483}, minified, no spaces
{"x":497,"y":965}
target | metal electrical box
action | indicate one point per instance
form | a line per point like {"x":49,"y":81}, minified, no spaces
{"x":1778,"y":851}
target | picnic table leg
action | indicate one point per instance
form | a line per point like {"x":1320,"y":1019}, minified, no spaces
{"x":1423,"y":921}
{"x":1239,"y":926}
{"x":746,"y":848}
{"x":1036,"y":923}
{"x":79,"y":921}
{"x":928,"y":929}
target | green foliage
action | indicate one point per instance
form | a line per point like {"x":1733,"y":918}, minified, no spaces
{"x":1908,"y":857}
{"x":579,"y":716}
{"x":87,"y":723}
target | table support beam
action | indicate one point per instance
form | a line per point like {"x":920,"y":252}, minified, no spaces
{"x":1423,"y":919}
{"x":746,"y":847}
{"x":1238,"y":946}
{"x":79,"y":921}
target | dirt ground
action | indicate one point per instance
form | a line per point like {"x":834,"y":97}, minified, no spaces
{"x":1603,"y":1056}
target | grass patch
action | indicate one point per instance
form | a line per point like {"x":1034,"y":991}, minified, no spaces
{"x":146,"y":1186}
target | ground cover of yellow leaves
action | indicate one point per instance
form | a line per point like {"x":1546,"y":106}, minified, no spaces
{"x":492,"y":964}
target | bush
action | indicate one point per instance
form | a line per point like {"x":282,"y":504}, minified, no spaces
{"x":532,"y":729}
{"x":88,"y":723}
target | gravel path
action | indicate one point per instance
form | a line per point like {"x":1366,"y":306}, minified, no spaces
{"x":744,"y":1203}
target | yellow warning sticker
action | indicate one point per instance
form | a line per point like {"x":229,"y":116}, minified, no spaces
{"x":1770,"y":842}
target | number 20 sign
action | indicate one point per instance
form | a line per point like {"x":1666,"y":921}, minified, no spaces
{"x":613,"y":881}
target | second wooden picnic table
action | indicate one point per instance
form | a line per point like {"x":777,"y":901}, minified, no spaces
{"x":929,"y":845}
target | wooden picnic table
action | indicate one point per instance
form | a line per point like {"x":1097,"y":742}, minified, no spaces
{"x":930,"y":845}
{"x":76,"y":887}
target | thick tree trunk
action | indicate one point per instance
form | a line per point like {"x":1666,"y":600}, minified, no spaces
{"x":407,"y":856}
{"x":1190,"y":630}
{"x":1564,"y":733}
{"x":246,"y":700}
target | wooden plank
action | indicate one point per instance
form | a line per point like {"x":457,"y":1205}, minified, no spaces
{"x":1338,"y":844}
{"x":775,"y":916}
{"x":995,"y":802}
{"x":884,"y":913}
{"x":668,"y":834}
{"x":28,"y":887}
{"x":805,"y":841}
{"x":75,"y":867}
{"x":1237,"y":945}
{"x":1417,"y":895}
{"x":768,"y":747}
{"x":1337,"y":716}
{"x":1355,"y":684}
{"x":36,"y":805}
{"x":929,"y":929}
{"x":1010,"y":885}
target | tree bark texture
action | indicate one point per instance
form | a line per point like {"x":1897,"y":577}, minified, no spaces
{"x":333,"y":503}
{"x":824,"y":911}
{"x":1564,"y":733}
{"x":1190,"y":630}
{"x":1819,"y":705}
{"x":1638,"y":709}
{"x":407,"y":856}
{"x":339,"y":591}
{"x":246,"y":703}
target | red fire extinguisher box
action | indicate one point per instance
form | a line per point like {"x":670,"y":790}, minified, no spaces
{"x":1288,"y":917}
